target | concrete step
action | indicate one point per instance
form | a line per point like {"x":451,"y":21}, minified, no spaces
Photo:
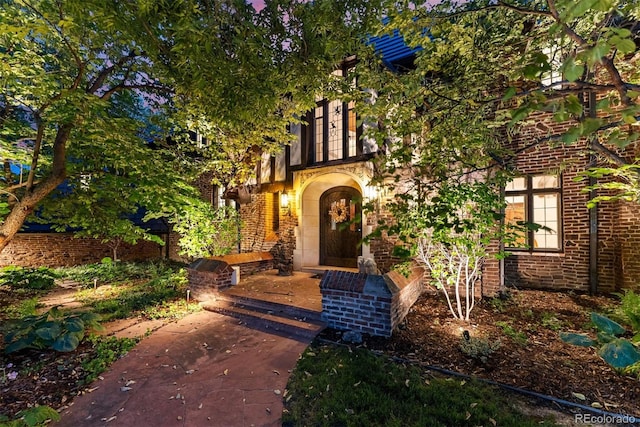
{"x":280,"y":319}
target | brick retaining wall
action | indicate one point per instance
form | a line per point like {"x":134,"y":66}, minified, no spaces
{"x":62,"y":249}
{"x":372,"y":304}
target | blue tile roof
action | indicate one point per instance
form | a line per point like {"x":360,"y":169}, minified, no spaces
{"x":392,"y":48}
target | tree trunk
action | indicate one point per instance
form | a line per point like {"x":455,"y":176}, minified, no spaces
{"x":29,"y":202}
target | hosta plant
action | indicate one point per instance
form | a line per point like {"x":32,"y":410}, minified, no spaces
{"x":618,"y":352}
{"x":53,"y":329}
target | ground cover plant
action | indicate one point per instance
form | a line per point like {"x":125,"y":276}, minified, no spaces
{"x":335,"y":385}
{"x":36,"y":374}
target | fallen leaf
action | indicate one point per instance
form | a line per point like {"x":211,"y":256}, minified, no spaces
{"x":473,"y":405}
{"x":350,"y":411}
{"x":128,"y":383}
{"x":125,"y":388}
{"x":226,"y":371}
{"x":596,"y":405}
{"x":200,"y":406}
{"x":307,"y":374}
{"x":276,"y":372}
{"x":276,"y":391}
{"x":268,"y":410}
{"x":468,"y":415}
{"x":492,"y":421}
{"x":328,"y":386}
{"x":463,"y":382}
{"x":579,"y":396}
{"x":189,"y":372}
{"x":111,"y":419}
{"x":357,"y":384}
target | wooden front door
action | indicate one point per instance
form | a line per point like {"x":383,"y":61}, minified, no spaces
{"x":339,"y":234}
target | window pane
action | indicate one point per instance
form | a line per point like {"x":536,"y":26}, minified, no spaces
{"x":353,"y":129}
{"x":335,"y":130}
{"x":517,"y":184}
{"x":545,"y":181}
{"x":515,"y":212}
{"x":319,"y":133}
{"x":545,"y":213}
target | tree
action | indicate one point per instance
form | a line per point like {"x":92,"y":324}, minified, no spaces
{"x":482,"y":67}
{"x":70,"y":104}
{"x":81,"y":81}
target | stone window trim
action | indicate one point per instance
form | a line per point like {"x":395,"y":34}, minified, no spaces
{"x":528,"y":191}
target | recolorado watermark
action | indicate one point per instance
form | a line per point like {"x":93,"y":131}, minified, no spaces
{"x":605,"y":419}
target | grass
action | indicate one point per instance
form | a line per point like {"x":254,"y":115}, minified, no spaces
{"x":337,"y":386}
{"x":155,"y":294}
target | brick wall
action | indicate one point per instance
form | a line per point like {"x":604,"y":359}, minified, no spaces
{"x":618,"y":250}
{"x":256,"y":235}
{"x":207,"y":277}
{"x":62,"y":249}
{"x":371,"y":304}
{"x":568,"y":269}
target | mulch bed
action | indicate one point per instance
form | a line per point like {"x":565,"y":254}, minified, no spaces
{"x":531,"y":355}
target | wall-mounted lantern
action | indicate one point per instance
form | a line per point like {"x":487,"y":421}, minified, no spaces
{"x":284,"y":202}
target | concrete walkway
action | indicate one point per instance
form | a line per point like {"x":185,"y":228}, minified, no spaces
{"x":227,"y":368}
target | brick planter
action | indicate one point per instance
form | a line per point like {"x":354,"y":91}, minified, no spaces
{"x":372,"y":304}
{"x":207,"y":277}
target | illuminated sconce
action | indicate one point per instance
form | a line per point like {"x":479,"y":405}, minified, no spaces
{"x":371,"y":196}
{"x":284,"y":202}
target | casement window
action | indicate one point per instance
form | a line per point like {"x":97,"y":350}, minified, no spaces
{"x":536,"y":199}
{"x":335,"y":134}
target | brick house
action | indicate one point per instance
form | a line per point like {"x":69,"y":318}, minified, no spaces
{"x":300,"y":198}
{"x":303,"y":194}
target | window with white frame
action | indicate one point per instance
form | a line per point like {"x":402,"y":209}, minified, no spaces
{"x":537,"y":200}
{"x":554,"y":57}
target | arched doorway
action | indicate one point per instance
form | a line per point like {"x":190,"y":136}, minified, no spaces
{"x":339,"y":234}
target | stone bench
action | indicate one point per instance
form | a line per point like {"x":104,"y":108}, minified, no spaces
{"x":249,"y":262}
{"x":368,"y":303}
{"x":207,"y":276}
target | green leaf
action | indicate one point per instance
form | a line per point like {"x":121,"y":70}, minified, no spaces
{"x":49,"y":331}
{"x":571,"y":70}
{"x":577,"y":339}
{"x":572,"y":135}
{"x":66,"y":342}
{"x":626,"y":46}
{"x":74,"y":324}
{"x":607,"y":325}
{"x":38,"y":415}
{"x":510,"y":93}
{"x":619,"y":353}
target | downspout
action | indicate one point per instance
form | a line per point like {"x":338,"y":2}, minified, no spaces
{"x":593,"y":212}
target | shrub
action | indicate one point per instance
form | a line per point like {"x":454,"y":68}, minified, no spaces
{"x":41,"y":278}
{"x":629,"y":311}
{"x":51,"y":330}
{"x":478,"y":348}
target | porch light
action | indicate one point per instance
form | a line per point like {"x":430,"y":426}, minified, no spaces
{"x":284,"y":200}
